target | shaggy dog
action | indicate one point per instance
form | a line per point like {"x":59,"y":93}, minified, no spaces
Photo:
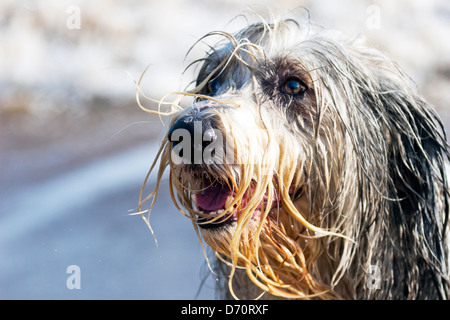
{"x":311,"y":166}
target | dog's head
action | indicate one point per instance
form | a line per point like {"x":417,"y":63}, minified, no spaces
{"x":297,"y":150}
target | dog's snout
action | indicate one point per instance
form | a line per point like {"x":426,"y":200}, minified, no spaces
{"x":193,"y":133}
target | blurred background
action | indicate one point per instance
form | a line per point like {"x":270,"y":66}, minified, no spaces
{"x":75,"y":147}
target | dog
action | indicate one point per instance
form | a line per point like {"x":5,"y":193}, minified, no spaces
{"x":310,"y":165}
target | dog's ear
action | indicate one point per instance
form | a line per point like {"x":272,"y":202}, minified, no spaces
{"x":418,"y":198}
{"x":417,"y":147}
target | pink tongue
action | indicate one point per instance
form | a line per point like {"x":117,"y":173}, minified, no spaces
{"x":213,"y":198}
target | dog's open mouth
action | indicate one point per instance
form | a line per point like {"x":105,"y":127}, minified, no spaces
{"x":217,"y":205}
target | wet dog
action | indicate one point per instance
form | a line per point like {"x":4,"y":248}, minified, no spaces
{"x":311,"y":166}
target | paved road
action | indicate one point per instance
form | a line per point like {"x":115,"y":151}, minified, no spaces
{"x":81,"y":217}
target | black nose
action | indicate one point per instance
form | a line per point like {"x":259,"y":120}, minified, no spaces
{"x":190,"y":135}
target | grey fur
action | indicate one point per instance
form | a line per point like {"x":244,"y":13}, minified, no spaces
{"x":371,"y":155}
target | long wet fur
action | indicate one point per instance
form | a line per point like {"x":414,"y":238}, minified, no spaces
{"x":358,"y":164}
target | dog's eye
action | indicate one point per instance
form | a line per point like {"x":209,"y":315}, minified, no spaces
{"x":293,"y":86}
{"x":213,"y":86}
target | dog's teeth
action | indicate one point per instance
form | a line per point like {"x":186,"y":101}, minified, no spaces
{"x":194,"y":199}
{"x":220,"y":211}
{"x":228,"y":201}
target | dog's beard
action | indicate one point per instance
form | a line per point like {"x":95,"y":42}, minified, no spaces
{"x":253,"y":213}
